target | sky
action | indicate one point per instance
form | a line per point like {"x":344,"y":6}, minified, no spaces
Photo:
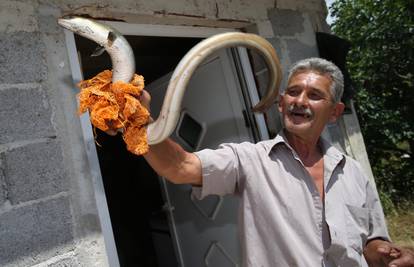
{"x":329,"y":19}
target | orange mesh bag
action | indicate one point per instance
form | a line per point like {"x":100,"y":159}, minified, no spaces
{"x":115,"y":106}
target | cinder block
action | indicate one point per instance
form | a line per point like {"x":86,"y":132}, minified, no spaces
{"x":308,"y":5}
{"x":35,"y":233}
{"x":22,"y":58}
{"x":47,"y":19}
{"x":17,"y":16}
{"x":67,"y":262}
{"x":286,"y":22}
{"x":298,"y":50}
{"x":34,"y":171}
{"x":24,"y":114}
{"x":276,"y":43}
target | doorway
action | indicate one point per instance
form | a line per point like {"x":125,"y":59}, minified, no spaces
{"x":145,"y":220}
{"x":133,"y":192}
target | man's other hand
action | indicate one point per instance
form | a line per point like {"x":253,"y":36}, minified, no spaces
{"x":395,"y":256}
{"x":379,"y":253}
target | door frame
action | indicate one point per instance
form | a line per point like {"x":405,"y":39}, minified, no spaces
{"x":87,"y":131}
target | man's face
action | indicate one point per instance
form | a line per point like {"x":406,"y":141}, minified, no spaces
{"x":307,"y":104}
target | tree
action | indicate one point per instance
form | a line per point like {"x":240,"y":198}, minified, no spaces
{"x":381,"y":65}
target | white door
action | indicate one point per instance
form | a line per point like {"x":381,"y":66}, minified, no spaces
{"x":205,"y":232}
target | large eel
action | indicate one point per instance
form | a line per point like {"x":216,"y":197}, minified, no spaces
{"x":123,"y":64}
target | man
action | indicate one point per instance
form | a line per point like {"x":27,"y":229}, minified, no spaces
{"x":303,"y":202}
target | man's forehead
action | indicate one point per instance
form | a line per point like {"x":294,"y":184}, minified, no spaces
{"x":310,"y":78}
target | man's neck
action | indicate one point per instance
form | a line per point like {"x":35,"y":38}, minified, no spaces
{"x":311,"y":156}
{"x":306,"y":148}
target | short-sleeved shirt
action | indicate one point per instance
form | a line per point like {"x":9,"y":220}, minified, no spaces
{"x":282,"y":218}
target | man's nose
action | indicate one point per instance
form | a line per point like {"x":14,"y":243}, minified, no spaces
{"x":302,"y":99}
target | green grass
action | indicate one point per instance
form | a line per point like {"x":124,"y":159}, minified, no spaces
{"x":401,"y":225}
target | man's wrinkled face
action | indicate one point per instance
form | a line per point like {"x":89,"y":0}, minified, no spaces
{"x":307,"y":104}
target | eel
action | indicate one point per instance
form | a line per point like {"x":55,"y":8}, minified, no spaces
{"x":123,"y":65}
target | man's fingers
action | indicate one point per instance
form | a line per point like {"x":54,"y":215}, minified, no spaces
{"x":395,"y":252}
{"x":405,"y":258}
{"x":384,"y":249}
{"x":111,"y":132}
{"x":401,"y":262}
{"x":114,"y":132}
{"x":388,"y":253}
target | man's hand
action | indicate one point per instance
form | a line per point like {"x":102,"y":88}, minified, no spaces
{"x":395,"y":256}
{"x":145,"y":100}
{"x":379,"y":253}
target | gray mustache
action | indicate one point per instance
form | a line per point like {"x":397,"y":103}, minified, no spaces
{"x":296,"y":109}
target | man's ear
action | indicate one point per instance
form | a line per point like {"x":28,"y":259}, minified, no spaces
{"x":280,"y":103}
{"x":337,"y":111}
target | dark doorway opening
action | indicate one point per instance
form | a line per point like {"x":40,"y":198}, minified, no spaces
{"x":134,"y":196}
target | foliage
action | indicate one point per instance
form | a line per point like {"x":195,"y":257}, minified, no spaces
{"x":381,"y":64}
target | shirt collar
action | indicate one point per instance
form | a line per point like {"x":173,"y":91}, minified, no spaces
{"x":279,"y":138}
{"x":327,"y":148}
{"x":330,"y":151}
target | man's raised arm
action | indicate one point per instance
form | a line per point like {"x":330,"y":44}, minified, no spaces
{"x":171,"y":161}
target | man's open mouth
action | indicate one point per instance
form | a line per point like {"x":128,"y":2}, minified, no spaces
{"x":299,"y":112}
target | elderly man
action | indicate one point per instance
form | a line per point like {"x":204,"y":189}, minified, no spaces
{"x":303,"y":202}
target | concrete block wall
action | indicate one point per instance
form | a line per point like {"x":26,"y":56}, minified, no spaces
{"x":48,"y":215}
{"x":48,"y":211}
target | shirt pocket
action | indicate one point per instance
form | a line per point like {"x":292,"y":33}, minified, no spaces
{"x":357,"y":227}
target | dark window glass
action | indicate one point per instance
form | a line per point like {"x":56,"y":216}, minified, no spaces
{"x":190,"y":131}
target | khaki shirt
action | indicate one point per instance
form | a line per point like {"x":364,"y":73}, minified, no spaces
{"x":282,"y":219}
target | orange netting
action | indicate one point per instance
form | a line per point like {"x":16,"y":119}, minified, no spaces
{"x":114,"y":106}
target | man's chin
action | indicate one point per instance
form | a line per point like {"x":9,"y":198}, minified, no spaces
{"x":297,"y":127}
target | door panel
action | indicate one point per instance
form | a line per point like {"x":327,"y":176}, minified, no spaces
{"x":212,"y":113}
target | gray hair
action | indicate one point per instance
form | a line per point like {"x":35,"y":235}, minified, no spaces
{"x":322,"y":67}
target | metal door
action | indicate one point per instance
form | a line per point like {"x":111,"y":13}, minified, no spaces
{"x":205,"y":232}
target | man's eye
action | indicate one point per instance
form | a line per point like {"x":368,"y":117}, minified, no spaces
{"x":293,"y":92}
{"x":314,"y":96}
